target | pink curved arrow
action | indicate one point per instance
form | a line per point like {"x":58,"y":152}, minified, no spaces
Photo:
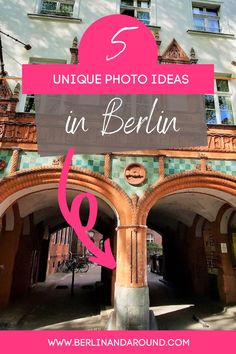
{"x":106,"y":258}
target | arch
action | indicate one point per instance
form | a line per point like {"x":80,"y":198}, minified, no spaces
{"x":189,"y":181}
{"x":232,"y":221}
{"x":10,"y":219}
{"x":23,"y":183}
{"x":199,"y":227}
{"x":224,"y":218}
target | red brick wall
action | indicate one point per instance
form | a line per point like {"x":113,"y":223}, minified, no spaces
{"x":59,"y":250}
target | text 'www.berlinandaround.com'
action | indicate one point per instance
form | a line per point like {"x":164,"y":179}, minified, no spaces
{"x":119,"y":342}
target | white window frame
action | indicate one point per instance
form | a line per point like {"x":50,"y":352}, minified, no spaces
{"x":150,"y":238}
{"x":76,"y":9}
{"x":217,"y":104}
{"x":206,"y":17}
{"x":22,"y":101}
{"x":137,"y":9}
{"x":57,"y":11}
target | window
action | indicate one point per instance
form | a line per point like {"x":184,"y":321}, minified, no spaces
{"x":28,"y":101}
{"x":30,"y":104}
{"x":53,"y":239}
{"x":136,"y":8}
{"x":63,"y":236}
{"x":144,"y":4}
{"x":58,"y":7}
{"x":127,"y":3}
{"x":206,"y":18}
{"x":59,"y":240}
{"x":150,"y":238}
{"x":67,"y":236}
{"x":219,"y":106}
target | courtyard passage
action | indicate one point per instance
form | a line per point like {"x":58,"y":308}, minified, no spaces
{"x":176,"y":310}
{"x":51,"y":306}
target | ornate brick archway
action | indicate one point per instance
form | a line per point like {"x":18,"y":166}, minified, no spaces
{"x":24,"y":183}
{"x":21,"y":183}
{"x":212,"y":180}
{"x":203,"y":273}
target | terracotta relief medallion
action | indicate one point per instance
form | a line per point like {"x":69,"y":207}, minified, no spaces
{"x":135,"y":174}
{"x":56,"y":162}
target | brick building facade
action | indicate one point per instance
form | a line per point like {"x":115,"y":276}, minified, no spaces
{"x":188,"y":196}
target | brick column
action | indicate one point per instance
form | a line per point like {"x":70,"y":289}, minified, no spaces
{"x":14,"y":160}
{"x":23,"y":263}
{"x":226,"y":271}
{"x":131,"y":291}
{"x":107,"y":167}
{"x":9,"y":241}
{"x":161,"y":166}
{"x":227,"y":274}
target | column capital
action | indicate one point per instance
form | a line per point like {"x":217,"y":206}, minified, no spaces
{"x":132,"y":227}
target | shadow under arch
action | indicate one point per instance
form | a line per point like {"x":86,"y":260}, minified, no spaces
{"x":188,"y":181}
{"x":43,"y":180}
{"x":26,"y":182}
{"x":202,"y":198}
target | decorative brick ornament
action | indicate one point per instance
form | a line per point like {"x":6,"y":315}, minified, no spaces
{"x":135,"y":174}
